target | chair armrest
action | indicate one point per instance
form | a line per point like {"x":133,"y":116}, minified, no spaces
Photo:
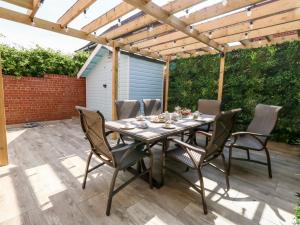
{"x":108,"y":132}
{"x":204,"y":133}
{"x":254,"y":135}
{"x":250,"y":133}
{"x":126,"y":147}
{"x":188,"y":149}
{"x":186,"y":145}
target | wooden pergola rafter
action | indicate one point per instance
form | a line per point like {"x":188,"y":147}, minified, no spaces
{"x":158,"y":32}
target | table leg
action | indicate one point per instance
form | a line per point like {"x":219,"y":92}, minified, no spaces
{"x":141,"y":167}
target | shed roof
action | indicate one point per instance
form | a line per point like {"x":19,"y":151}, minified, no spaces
{"x":96,"y":56}
{"x":92,"y":61}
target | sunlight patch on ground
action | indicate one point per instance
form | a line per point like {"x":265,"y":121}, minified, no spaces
{"x":9,"y":206}
{"x":44,"y":183}
{"x":246,"y":208}
{"x":13,"y":134}
{"x":155,"y":221}
{"x":283,"y":217}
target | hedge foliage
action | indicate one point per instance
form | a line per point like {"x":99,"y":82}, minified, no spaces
{"x":38,"y":61}
{"x":269,"y":75}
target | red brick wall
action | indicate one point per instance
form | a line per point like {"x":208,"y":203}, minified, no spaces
{"x":53,"y":97}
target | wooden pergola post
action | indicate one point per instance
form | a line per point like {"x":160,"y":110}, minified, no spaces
{"x":166,"y":79}
{"x":114,"y":82}
{"x":221,"y":76}
{"x":3,"y":141}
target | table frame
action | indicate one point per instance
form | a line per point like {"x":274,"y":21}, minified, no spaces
{"x":150,"y":142}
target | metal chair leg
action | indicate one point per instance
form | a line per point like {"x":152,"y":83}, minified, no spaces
{"x":87,"y":169}
{"x":269,"y":162}
{"x":187,"y":169}
{"x":226,"y":172}
{"x":111,"y":190}
{"x":202,"y":191}
{"x":229,"y":160}
{"x":248,"y":154}
{"x":150,"y":171}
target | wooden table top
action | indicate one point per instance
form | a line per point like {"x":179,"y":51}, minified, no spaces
{"x":156,"y":131}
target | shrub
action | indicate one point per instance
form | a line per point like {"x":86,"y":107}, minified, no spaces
{"x":269,"y":75}
{"x":38,"y":61}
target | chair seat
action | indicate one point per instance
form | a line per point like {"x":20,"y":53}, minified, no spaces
{"x":134,"y":156}
{"x":247,"y":141}
{"x":182,"y":156}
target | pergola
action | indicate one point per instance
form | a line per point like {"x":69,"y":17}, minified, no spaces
{"x":161,"y":34}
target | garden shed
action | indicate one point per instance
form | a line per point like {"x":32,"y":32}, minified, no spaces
{"x":139,"y":78}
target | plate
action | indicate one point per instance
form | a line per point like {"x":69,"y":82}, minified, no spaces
{"x":157,"y":121}
{"x":204,"y":119}
{"x":170,"y":127}
{"x":143,"y":127}
{"x":127,"y":127}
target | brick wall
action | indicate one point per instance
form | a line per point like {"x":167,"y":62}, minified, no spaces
{"x":53,"y":97}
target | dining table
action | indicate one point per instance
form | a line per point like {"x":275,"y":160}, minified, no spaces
{"x":157,"y":133}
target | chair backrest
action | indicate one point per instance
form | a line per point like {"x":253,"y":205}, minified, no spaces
{"x":93,"y":125}
{"x":210,"y":107}
{"x":265,"y":119}
{"x":223,"y":125}
{"x":128,"y":109}
{"x":152,"y":107}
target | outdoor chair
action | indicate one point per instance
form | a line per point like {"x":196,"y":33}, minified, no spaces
{"x":120,"y":157}
{"x":209,"y":107}
{"x":196,"y":157}
{"x":152,"y":107}
{"x":127,"y":109}
{"x":256,"y":136}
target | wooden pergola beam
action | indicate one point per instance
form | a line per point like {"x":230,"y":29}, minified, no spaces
{"x":3,"y":141}
{"x":281,"y":18}
{"x":166,"y":83}
{"x":290,"y":26}
{"x":256,"y":44}
{"x":199,"y":15}
{"x":22,"y":3}
{"x":54,"y":27}
{"x":245,"y":42}
{"x":163,"y":15}
{"x":172,"y":7}
{"x":264,"y":43}
{"x":221,"y":77}
{"x":35,"y":7}
{"x":74,"y":11}
{"x":47,"y":25}
{"x":269,"y":38}
{"x":114,"y":83}
{"x":113,"y":14}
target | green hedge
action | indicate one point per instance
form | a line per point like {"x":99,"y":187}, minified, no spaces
{"x":269,"y":75}
{"x":38,"y":61}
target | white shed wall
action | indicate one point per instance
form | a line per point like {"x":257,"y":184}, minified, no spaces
{"x":98,"y":97}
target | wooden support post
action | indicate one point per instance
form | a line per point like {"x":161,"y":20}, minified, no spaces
{"x":3,"y":141}
{"x":221,"y":76}
{"x":166,"y":79}
{"x":114,"y":82}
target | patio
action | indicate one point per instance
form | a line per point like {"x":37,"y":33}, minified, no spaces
{"x":57,"y":151}
{"x":42,"y":168}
